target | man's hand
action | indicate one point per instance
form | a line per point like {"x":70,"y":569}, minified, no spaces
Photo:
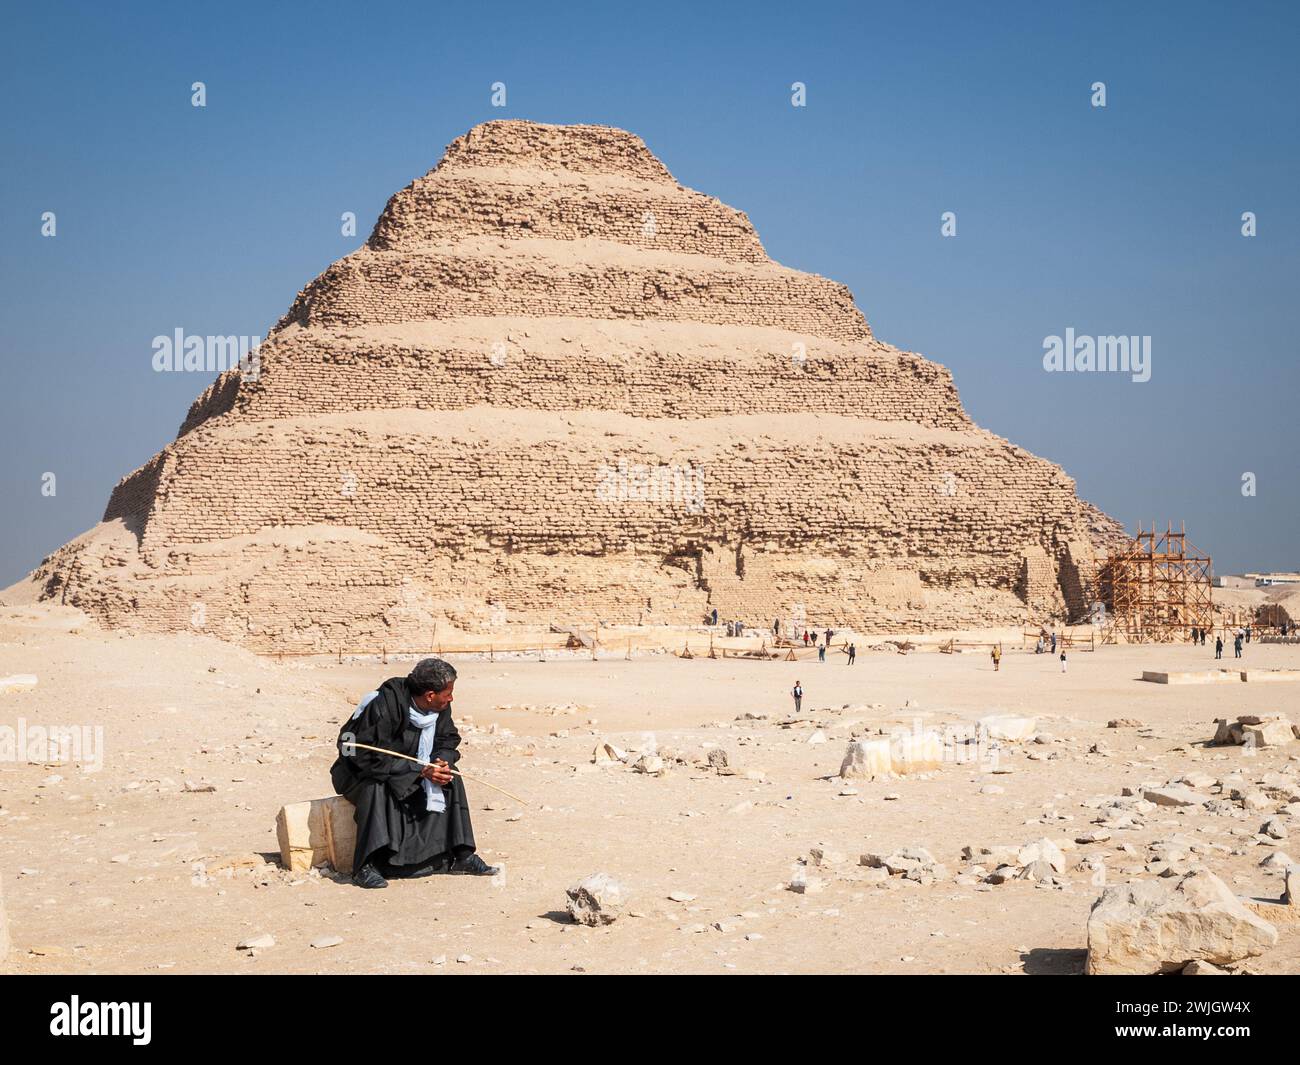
{"x":439,"y":772}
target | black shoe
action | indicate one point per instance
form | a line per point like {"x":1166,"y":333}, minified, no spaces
{"x":440,"y":864}
{"x":369,"y":877}
{"x":472,"y":865}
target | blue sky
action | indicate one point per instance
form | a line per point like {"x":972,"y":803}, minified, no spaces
{"x":1122,"y":220}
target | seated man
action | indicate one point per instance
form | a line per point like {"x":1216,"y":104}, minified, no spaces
{"x":412,"y":821}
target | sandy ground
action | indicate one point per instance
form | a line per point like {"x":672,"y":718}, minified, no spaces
{"x":121,"y":870}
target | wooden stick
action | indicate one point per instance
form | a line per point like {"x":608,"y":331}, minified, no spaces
{"x":418,"y":761}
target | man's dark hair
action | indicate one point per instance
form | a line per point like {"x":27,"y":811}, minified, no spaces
{"x":430,"y":675}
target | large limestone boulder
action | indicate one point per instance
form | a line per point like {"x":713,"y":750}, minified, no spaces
{"x":915,"y":752}
{"x":1150,"y":926}
{"x":866,"y":759}
{"x":1274,"y":733}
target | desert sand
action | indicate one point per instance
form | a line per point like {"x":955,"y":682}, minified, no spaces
{"x":124,"y":870}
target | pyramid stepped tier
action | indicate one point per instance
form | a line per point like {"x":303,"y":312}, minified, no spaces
{"x":583,"y":278}
{"x":441,"y":210}
{"x":555,"y":386}
{"x":649,"y":369}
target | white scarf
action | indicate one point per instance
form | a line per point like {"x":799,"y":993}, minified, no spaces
{"x":434,"y":798}
{"x":427,"y":724}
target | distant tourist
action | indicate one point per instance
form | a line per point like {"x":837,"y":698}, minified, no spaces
{"x":1236,"y":646}
{"x":1063,"y":663}
{"x":821,"y":653}
{"x":997,"y":657}
{"x":1218,"y":647}
{"x":1041,"y":647}
{"x":797,"y":692}
{"x":715,"y":615}
{"x":853,"y":652}
{"x":1053,"y":641}
{"x":805,"y":637}
{"x":1196,"y":635}
{"x":776,"y":627}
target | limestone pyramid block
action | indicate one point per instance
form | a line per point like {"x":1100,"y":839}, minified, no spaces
{"x":317,"y":832}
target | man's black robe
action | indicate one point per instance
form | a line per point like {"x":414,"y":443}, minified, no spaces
{"x":394,"y":825}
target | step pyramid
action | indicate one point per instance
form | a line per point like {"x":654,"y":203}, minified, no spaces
{"x":557,"y":387}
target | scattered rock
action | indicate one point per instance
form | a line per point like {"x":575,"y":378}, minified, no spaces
{"x":803,"y":884}
{"x":607,"y":753}
{"x":1274,"y":827}
{"x":17,"y":682}
{"x":900,"y":861}
{"x":1038,"y":871}
{"x":596,"y":900}
{"x":1042,"y":850}
{"x":1175,"y":795}
{"x":824,"y":856}
{"x":322,"y":942}
{"x":1252,"y":799}
{"x":1203,"y":968}
{"x":262,"y":942}
{"x":1008,"y":728}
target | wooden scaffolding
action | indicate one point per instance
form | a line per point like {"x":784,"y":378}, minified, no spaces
{"x":1157,"y":589}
